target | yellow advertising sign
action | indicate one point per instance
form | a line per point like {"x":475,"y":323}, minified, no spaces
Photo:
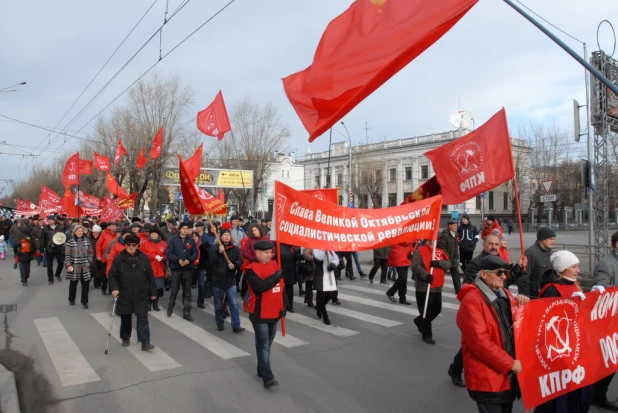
{"x":233,"y":179}
{"x":211,"y":178}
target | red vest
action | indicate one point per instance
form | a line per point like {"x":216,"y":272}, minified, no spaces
{"x":438,"y":274}
{"x":271,"y":300}
{"x":564,"y":290}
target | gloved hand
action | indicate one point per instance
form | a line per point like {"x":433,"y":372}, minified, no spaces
{"x":159,"y":258}
{"x":434,"y":263}
{"x":196,"y":262}
{"x":331,"y":267}
{"x":598,"y":288}
{"x":429,"y":279}
{"x":578,"y":294}
{"x":283,"y":312}
{"x":278,"y":274}
{"x":15,"y":266}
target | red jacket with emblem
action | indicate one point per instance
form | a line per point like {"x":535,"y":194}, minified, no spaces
{"x":152,"y":249}
{"x":400,"y":255}
{"x":486,"y":362}
{"x":267,"y":290}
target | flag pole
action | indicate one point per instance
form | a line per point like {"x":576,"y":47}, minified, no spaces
{"x":433,"y":257}
{"x":517,"y":205}
{"x":218,"y":239}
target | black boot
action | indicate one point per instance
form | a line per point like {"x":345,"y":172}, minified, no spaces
{"x":155,"y":304}
{"x":325,"y":317}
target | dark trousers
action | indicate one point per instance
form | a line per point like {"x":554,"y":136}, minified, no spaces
{"x":143,"y":328}
{"x":348,"y":263}
{"x":401,"y":284}
{"x":238,"y":277}
{"x":600,"y":388}
{"x":24,"y":271}
{"x":243,"y":287}
{"x":59,"y":256}
{"x":289,"y":290}
{"x":181,"y":278}
{"x":380,"y":263}
{"x":73,"y":289}
{"x":456,"y":278}
{"x":309,"y":291}
{"x":321,"y":299}
{"x":457,"y":366}
{"x":104,"y":285}
{"x":495,"y":408}
{"x":434,"y":307}
{"x":464,"y":258}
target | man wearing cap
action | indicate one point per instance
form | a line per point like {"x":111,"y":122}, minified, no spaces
{"x":136,"y":228}
{"x":266,"y":305}
{"x":487,"y":340}
{"x":223,"y":278}
{"x":449,"y":244}
{"x":53,"y":250}
{"x":181,"y":252}
{"x":169,"y":229}
{"x":129,"y":274}
{"x":538,"y":262}
{"x":468,"y":237}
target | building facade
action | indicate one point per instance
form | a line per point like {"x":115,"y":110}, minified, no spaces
{"x":383,"y":174}
{"x":285,"y":169}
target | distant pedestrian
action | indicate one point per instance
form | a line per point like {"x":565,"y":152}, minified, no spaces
{"x":399,"y":258}
{"x":450,"y":244}
{"x":25,"y":253}
{"x":468,"y":237}
{"x":324,"y":281}
{"x":538,"y":263}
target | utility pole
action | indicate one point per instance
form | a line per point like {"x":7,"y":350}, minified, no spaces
{"x":349,"y":165}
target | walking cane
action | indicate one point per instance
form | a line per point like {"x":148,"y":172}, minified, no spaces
{"x":111,"y":325}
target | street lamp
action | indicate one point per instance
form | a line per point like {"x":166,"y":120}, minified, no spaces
{"x":4,"y":90}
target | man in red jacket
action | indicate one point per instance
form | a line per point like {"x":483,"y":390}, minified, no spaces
{"x":266,"y":305}
{"x":487,"y":341}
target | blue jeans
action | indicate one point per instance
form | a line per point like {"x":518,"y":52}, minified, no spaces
{"x":264,"y":336}
{"x":219,"y":294}
{"x":357,"y":261}
{"x":201,"y":285}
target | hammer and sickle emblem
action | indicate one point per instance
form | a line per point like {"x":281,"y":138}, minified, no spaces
{"x":554,"y":351}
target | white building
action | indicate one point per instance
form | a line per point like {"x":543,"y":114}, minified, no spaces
{"x":282,"y":168}
{"x":400,"y":167}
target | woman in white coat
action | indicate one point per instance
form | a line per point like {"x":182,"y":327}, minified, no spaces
{"x":324,"y":281}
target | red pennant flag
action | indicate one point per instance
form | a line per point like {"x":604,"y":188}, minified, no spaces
{"x":213,"y":121}
{"x":127,"y":203}
{"x":101,"y":162}
{"x":363,"y":48}
{"x":49,"y":200}
{"x":141,"y":159}
{"x":85,"y":167}
{"x":194,"y":163}
{"x":25,"y":205}
{"x":120,"y":152}
{"x":68,"y":204}
{"x":430,"y":188}
{"x":197,"y":201}
{"x":113,"y":187}
{"x":475,"y":163}
{"x":70,"y":175}
{"x":157,"y":144}
{"x":111,"y":212}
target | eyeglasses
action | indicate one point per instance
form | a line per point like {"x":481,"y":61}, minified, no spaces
{"x":500,"y":273}
{"x":131,"y":245}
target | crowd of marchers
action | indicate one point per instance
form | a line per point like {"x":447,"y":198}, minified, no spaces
{"x":137,"y":261}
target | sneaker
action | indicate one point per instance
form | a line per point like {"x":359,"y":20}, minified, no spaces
{"x":170,"y":311}
{"x":126,"y":343}
{"x":238,"y":329}
{"x":362,"y":274}
{"x":391,"y":297}
{"x":72,"y":302}
{"x":202,"y":306}
{"x":337,"y":302}
{"x":271,"y":383}
{"x":147,"y":346}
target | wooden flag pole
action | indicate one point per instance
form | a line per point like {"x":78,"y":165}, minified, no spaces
{"x":433,"y":257}
{"x":218,"y":239}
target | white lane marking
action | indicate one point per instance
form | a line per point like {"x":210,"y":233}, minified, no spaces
{"x":377,"y":292}
{"x":386,"y":305}
{"x":153,"y":360}
{"x":319,"y":325}
{"x":358,"y":315}
{"x":202,"y":337}
{"x":71,"y":365}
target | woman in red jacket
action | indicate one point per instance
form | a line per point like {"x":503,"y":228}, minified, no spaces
{"x":154,"y":247}
{"x":399,"y":258}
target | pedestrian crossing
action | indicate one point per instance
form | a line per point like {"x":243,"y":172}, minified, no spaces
{"x":365,"y":309}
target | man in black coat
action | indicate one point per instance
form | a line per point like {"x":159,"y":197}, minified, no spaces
{"x":468,"y":237}
{"x":223,"y":278}
{"x":449,"y":243}
{"x":181,"y":252}
{"x":130,"y":273}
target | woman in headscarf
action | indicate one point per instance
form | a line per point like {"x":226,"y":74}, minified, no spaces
{"x":324,"y":281}
{"x":154,"y":248}
{"x":77,"y":259}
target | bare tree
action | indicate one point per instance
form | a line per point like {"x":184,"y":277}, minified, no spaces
{"x":368,"y":177}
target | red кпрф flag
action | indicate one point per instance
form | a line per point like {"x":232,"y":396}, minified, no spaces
{"x":70,"y":174}
{"x":197,"y":201}
{"x":157,"y":144}
{"x":120,"y":151}
{"x":101,"y":162}
{"x":113,"y":187}
{"x":193,"y":165}
{"x":68,"y":204}
{"x":141,"y":159}
{"x":475,"y":163}
{"x":213,"y":121}
{"x":361,"y":49}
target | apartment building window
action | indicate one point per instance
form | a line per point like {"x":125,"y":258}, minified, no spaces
{"x":491,"y":200}
{"x":392,"y":200}
{"x":328,"y":181}
{"x":505,"y":200}
{"x":392,"y":174}
{"x":424,"y":171}
{"x":408,"y":173}
{"x":316,"y":181}
{"x":339,"y":180}
{"x":478,"y":202}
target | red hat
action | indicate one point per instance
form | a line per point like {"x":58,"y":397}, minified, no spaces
{"x":226,"y":225}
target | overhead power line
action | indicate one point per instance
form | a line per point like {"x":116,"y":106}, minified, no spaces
{"x":548,"y":22}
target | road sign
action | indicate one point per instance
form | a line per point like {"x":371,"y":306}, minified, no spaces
{"x":180,"y":198}
{"x":351,"y":196}
{"x":548,"y":198}
{"x":547,"y":184}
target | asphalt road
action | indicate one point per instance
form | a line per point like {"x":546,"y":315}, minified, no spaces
{"x":371,"y":360}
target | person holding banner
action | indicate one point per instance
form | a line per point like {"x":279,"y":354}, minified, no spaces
{"x":487,"y":341}
{"x":399,"y":258}
{"x":324,"y":282}
{"x":562,"y":282}
{"x":449,"y":243}
{"x":422,"y":262}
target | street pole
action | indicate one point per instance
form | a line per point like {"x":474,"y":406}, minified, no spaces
{"x":591,"y":238}
{"x":349,"y":163}
{"x":330,"y":145}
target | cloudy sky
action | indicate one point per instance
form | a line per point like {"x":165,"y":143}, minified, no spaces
{"x":490,"y":59}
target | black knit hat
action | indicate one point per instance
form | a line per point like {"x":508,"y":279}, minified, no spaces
{"x":491,"y":218}
{"x":263,"y":245}
{"x":224,"y":231}
{"x":125,"y":230}
{"x":466,"y":216}
{"x":131,"y":239}
{"x":545,"y":233}
{"x":183,"y":224}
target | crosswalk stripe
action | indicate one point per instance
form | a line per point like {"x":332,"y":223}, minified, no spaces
{"x":358,"y":315}
{"x":319,"y":325}
{"x":386,"y":305}
{"x":377,"y":292}
{"x":202,"y":337}
{"x":287,"y":341}
{"x":153,"y":360}
{"x":71,"y":365}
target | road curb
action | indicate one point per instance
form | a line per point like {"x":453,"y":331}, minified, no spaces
{"x":9,"y":401}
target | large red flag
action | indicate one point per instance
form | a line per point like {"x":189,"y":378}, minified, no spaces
{"x":194,"y":163}
{"x":113,"y":187}
{"x":111,"y":212}
{"x":197,"y":201}
{"x":213,"y":121}
{"x":49,"y":200}
{"x":120,"y":151}
{"x":25,"y":205}
{"x":68,"y":204}
{"x":70,"y":175}
{"x":475,"y":163}
{"x":85,"y":167}
{"x":430,"y":188}
{"x":157,"y":144}
{"x":128,"y":202}
{"x":101,"y":162}
{"x":141,"y":159}
{"x":361,"y":49}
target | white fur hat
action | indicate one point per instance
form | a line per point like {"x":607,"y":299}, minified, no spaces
{"x":96,"y":228}
{"x":561,"y":260}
